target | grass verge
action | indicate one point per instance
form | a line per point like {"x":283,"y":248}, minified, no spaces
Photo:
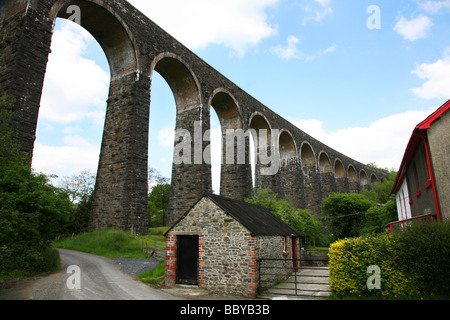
{"x":104,"y":242}
{"x":154,"y":276}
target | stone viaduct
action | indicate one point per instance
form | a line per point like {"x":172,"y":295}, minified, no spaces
{"x":136,"y":47}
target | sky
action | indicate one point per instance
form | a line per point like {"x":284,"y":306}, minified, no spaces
{"x":357,"y":75}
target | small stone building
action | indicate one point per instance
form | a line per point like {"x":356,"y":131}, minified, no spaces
{"x":217,"y":243}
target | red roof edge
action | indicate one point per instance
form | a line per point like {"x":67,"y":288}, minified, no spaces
{"x":418,"y":132}
{"x":426,"y":124}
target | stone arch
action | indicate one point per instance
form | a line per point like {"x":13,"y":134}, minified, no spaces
{"x":261,"y":132}
{"x":235,"y":176}
{"x":324,"y":163}
{"x":307,"y":156}
{"x":120,"y":197}
{"x":364,"y":180}
{"x":258,"y":122}
{"x":351,"y":174}
{"x":373,"y":179}
{"x":286,"y":146}
{"x":190,"y":126}
{"x":181,"y":80}
{"x":339,"y":170}
{"x":227,"y":109}
{"x":108,"y":29}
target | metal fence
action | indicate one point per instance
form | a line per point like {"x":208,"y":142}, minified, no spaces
{"x":290,"y":277}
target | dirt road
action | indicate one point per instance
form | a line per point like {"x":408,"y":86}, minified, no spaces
{"x":99,"y":279}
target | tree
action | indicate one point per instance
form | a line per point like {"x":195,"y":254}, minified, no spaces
{"x":344,"y":213}
{"x":376,"y":218}
{"x":80,"y":189}
{"x":298,"y":219}
{"x":380,"y":191}
{"x":158,"y":198}
{"x":80,"y":186}
{"x":158,"y":205}
{"x":32,"y":211}
{"x":155,"y":178}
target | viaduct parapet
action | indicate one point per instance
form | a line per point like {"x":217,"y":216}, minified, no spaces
{"x":135,"y":48}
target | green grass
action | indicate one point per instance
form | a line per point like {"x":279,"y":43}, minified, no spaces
{"x":154,"y":276}
{"x":108,"y":243}
{"x":113,"y":244}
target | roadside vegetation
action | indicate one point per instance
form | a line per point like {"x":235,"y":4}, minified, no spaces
{"x":114,"y":244}
{"x":413,"y":264}
{"x":104,"y":242}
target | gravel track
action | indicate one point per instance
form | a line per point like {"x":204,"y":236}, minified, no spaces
{"x":100,"y":278}
{"x":135,"y":267}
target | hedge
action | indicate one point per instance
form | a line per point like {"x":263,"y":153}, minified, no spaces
{"x":414,"y":262}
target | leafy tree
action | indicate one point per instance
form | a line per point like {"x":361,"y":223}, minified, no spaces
{"x":155,"y":177}
{"x":80,"y":186}
{"x":298,"y":219}
{"x":344,"y":213}
{"x":158,"y":200}
{"x":380,"y":192}
{"x":32,"y":211}
{"x":80,"y":189}
{"x":376,"y":218}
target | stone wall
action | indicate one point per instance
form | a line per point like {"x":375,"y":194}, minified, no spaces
{"x":227,"y":251}
{"x":280,"y":250}
{"x":136,"y":47}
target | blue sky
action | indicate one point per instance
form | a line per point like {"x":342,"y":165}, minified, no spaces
{"x":316,"y":63}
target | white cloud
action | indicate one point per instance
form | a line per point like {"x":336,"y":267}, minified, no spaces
{"x":383,"y":142}
{"x":166,"y":137}
{"x":434,"y":6}
{"x":76,"y":155}
{"x":317,"y":11}
{"x":415,"y":28}
{"x":237,"y":24}
{"x":437,"y":76}
{"x":291,"y":50}
{"x":75,"y":88}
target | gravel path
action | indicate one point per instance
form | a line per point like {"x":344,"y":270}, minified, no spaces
{"x":135,"y":267}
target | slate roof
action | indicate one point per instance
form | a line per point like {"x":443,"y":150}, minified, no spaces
{"x":257,"y":219}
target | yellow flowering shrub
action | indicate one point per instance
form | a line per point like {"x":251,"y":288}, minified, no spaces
{"x":351,"y":258}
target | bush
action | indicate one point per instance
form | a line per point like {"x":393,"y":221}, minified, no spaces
{"x":345,"y":213}
{"x":31,"y":210}
{"x":414,"y":262}
{"x":31,"y":214}
{"x":298,"y":219}
{"x":350,"y":259}
{"x":425,"y":253}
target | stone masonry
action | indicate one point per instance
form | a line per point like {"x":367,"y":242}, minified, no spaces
{"x":228,"y":252}
{"x":135,"y":48}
